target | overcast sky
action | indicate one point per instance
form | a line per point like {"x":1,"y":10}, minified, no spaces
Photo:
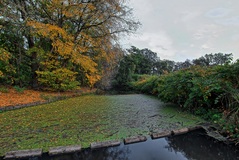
{"x":186,"y":29}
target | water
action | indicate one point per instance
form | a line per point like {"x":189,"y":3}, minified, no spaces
{"x":191,"y":146}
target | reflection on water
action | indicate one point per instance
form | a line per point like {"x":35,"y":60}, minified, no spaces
{"x":191,"y":146}
{"x":197,"y":146}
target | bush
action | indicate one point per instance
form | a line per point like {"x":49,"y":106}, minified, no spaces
{"x":176,"y":86}
{"x":58,"y":80}
{"x":146,"y":84}
{"x":210,"y":92}
{"x":19,"y":89}
{"x":4,"y":90}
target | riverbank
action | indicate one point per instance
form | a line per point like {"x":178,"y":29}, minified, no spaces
{"x":11,"y":97}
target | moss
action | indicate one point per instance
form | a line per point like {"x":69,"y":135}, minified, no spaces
{"x":87,"y":119}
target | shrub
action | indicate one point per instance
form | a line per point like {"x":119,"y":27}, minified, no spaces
{"x":4,"y":90}
{"x":60,"y":79}
{"x":19,"y":89}
{"x":146,"y":84}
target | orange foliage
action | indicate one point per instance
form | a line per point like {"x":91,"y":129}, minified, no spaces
{"x":81,"y":34}
{"x":13,"y":98}
{"x":65,"y":46}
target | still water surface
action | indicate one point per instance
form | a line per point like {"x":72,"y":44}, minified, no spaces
{"x":191,"y":146}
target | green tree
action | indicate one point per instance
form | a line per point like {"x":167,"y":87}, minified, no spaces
{"x":125,"y":72}
{"x":6,"y":69}
{"x":213,"y":59}
{"x":163,"y":66}
{"x":144,"y":60}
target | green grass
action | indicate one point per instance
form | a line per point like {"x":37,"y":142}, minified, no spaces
{"x":87,"y":119}
{"x":4,"y":89}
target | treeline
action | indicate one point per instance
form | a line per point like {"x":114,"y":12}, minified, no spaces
{"x":145,"y":61}
{"x":58,"y":44}
{"x":207,"y":86}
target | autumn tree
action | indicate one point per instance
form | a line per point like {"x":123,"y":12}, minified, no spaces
{"x":70,"y":36}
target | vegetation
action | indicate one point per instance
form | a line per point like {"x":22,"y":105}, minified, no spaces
{"x":59,"y":45}
{"x":211,"y":92}
{"x":207,"y":86}
{"x":144,"y":61}
{"x":14,"y":96}
{"x":87,"y":119}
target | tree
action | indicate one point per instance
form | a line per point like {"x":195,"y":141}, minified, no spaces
{"x":6,"y":69}
{"x":182,"y":65}
{"x":221,"y":59}
{"x":144,"y":60}
{"x":14,"y":15}
{"x":110,"y":68}
{"x":125,"y":71}
{"x":213,"y":59}
{"x":73,"y":34}
{"x":164,"y":66}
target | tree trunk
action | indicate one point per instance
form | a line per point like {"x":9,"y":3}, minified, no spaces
{"x":34,"y":63}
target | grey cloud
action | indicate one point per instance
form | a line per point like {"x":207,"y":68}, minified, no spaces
{"x":184,"y":29}
{"x":229,"y":21}
{"x":206,"y":32}
{"x":162,"y":47}
{"x":235,"y":37}
{"x":189,"y":15}
{"x":218,"y":12}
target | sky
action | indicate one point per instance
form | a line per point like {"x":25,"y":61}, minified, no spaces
{"x":186,"y":29}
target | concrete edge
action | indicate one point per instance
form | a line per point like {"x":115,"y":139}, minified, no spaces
{"x":195,"y":128}
{"x":175,"y":132}
{"x":110,"y":143}
{"x":161,"y":134}
{"x":64,"y":150}
{"x":180,"y":131}
{"x":23,"y":154}
{"x":135,"y":139}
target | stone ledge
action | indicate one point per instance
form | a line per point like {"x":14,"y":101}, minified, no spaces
{"x":23,"y":154}
{"x":64,"y":150}
{"x":180,"y":131}
{"x":8,"y":108}
{"x":135,"y":139}
{"x":195,"y":128}
{"x":161,"y":134}
{"x":96,"y":145}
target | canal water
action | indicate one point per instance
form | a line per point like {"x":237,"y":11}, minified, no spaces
{"x":191,"y":146}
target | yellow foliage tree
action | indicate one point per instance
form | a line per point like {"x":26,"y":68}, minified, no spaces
{"x":81,"y":33}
